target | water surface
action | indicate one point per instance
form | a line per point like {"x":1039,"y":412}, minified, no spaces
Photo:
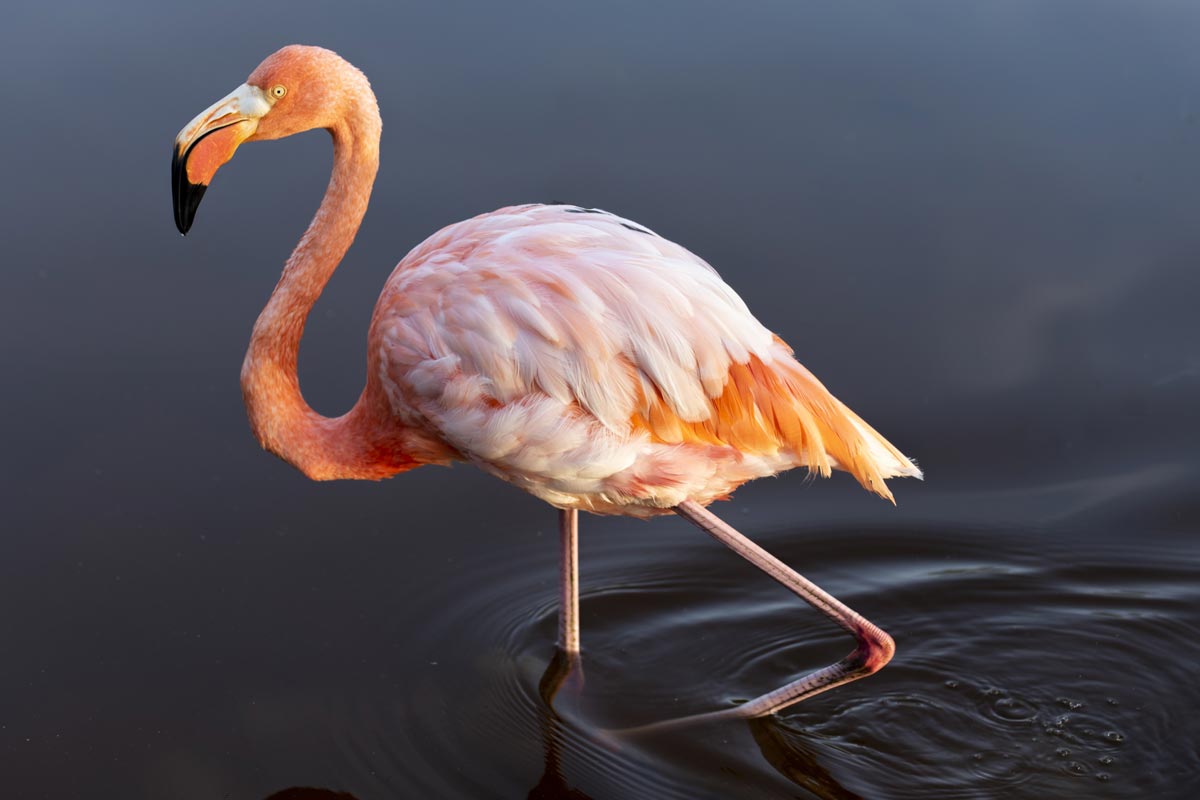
{"x":976,"y":223}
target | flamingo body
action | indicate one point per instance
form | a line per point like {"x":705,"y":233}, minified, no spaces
{"x":600,"y":366}
{"x":566,"y":350}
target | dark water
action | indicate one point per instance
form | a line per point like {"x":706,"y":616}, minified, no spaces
{"x":976,"y":222}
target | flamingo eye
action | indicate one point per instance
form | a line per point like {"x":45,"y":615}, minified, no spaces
{"x":278,"y":91}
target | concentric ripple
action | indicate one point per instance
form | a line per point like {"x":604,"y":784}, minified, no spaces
{"x":1025,"y":669}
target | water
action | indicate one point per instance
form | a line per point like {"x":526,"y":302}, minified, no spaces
{"x":976,"y":224}
{"x":1026,"y":667}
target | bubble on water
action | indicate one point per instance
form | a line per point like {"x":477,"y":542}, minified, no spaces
{"x":1112,"y":701}
{"x":951,"y":684}
{"x":1063,"y":752}
{"x":1067,"y":702}
{"x":1077,"y":768}
{"x":1113,"y":736}
{"x":1106,"y":760}
{"x":993,"y":691}
{"x":1103,"y":776}
{"x":1014,"y":710}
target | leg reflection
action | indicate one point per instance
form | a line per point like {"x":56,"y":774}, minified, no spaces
{"x":564,"y":669}
{"x":796,"y":760}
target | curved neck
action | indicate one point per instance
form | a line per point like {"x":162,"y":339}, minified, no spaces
{"x":363,"y":443}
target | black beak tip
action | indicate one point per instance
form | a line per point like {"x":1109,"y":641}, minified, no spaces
{"x":186,"y":196}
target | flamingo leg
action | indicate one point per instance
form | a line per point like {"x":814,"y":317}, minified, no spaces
{"x":565,"y":666}
{"x":875,"y":648}
{"x":568,"y":613}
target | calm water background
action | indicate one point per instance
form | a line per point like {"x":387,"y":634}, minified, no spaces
{"x":977,"y":222}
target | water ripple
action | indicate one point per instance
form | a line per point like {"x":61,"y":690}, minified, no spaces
{"x":1025,"y":669}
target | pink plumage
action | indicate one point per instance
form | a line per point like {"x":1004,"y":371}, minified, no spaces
{"x":546,"y":343}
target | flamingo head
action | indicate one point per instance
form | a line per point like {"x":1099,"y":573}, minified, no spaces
{"x":295,"y":89}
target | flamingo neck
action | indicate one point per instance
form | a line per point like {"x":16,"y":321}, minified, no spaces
{"x":364,"y":442}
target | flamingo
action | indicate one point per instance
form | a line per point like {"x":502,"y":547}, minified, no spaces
{"x":567,"y":350}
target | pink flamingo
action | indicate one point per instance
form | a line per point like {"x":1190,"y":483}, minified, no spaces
{"x":566,"y":350}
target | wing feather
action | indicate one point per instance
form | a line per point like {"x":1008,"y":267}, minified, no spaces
{"x":619,"y":324}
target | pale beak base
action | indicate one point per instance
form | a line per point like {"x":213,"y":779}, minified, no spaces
{"x":243,"y":107}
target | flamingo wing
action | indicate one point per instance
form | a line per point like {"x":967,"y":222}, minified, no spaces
{"x":555,"y":339}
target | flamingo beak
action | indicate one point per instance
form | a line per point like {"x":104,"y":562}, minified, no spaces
{"x":207,"y":142}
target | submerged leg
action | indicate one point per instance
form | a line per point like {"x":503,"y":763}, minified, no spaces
{"x":875,"y":648}
{"x":565,"y":663}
